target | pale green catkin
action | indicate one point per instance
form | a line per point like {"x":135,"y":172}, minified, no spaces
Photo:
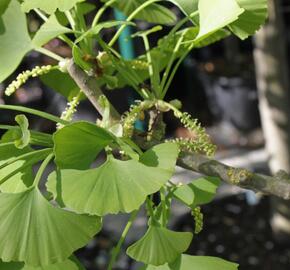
{"x":24,"y":76}
{"x":198,"y":219}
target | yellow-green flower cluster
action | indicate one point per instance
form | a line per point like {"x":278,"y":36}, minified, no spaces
{"x":198,"y":219}
{"x":24,"y":76}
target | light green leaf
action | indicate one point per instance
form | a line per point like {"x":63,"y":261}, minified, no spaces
{"x":116,"y":186}
{"x":186,"y":262}
{"x":252,"y":19}
{"x":187,"y":7}
{"x":199,"y":191}
{"x":77,"y":145}
{"x":153,"y":13}
{"x":4,"y":5}
{"x":224,"y":13}
{"x":69,"y":264}
{"x":49,"y":30}
{"x":159,"y":246}
{"x":49,"y":6}
{"x":24,"y":139}
{"x":61,"y":83}
{"x":36,"y":233}
{"x":15,"y":41}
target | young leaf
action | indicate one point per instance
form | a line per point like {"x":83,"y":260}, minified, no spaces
{"x":77,"y":145}
{"x":24,"y":139}
{"x":153,"y":13}
{"x":159,"y":246}
{"x":4,"y":5}
{"x":199,"y":191}
{"x":61,"y":83}
{"x":116,"y":186}
{"x":35,"y":232}
{"x":49,"y":6}
{"x":251,"y":20}
{"x":187,"y":262}
{"x":69,"y":264}
{"x":49,"y":30}
{"x":224,"y":13}
{"x":15,"y":41}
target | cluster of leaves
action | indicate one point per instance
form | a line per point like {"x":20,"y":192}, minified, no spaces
{"x":40,"y":231}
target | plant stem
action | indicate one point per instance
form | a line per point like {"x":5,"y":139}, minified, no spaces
{"x":101,"y":12}
{"x":24,"y":156}
{"x":7,"y":127}
{"x":130,"y":18}
{"x":117,"y":249}
{"x":42,"y":169}
{"x":34,"y":112}
{"x":49,"y":54}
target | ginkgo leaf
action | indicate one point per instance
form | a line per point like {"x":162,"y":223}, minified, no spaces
{"x":116,"y":186}
{"x":187,"y":262}
{"x":36,"y":233}
{"x":252,"y":19}
{"x":24,"y":139}
{"x":15,"y":41}
{"x":224,"y":13}
{"x":77,"y":145}
{"x":69,"y":264}
{"x":199,"y":191}
{"x":159,"y":246}
{"x":153,"y":13}
{"x":49,"y":6}
{"x":49,"y":30}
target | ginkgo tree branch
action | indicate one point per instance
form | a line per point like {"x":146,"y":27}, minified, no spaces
{"x":278,"y":185}
{"x":89,"y":86}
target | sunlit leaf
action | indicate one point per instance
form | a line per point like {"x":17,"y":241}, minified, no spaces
{"x":116,"y":186}
{"x":78,"y":144}
{"x":15,"y":41}
{"x":186,"y":262}
{"x":49,"y":6}
{"x":49,"y":30}
{"x":199,"y":191}
{"x":159,"y":246}
{"x":36,"y":233}
{"x":224,"y":13}
{"x":252,"y":19}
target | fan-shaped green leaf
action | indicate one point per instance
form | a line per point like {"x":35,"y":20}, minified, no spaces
{"x":77,"y":145}
{"x":159,"y":246}
{"x":49,"y":30}
{"x":199,"y":191}
{"x":15,"y":41}
{"x":35,"y":232}
{"x":252,"y":19}
{"x":224,"y":13}
{"x":69,"y":264}
{"x":186,"y":262}
{"x":187,"y":7}
{"x":116,"y":186}
{"x":49,"y":6}
{"x":153,"y":13}
{"x":24,"y":140}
